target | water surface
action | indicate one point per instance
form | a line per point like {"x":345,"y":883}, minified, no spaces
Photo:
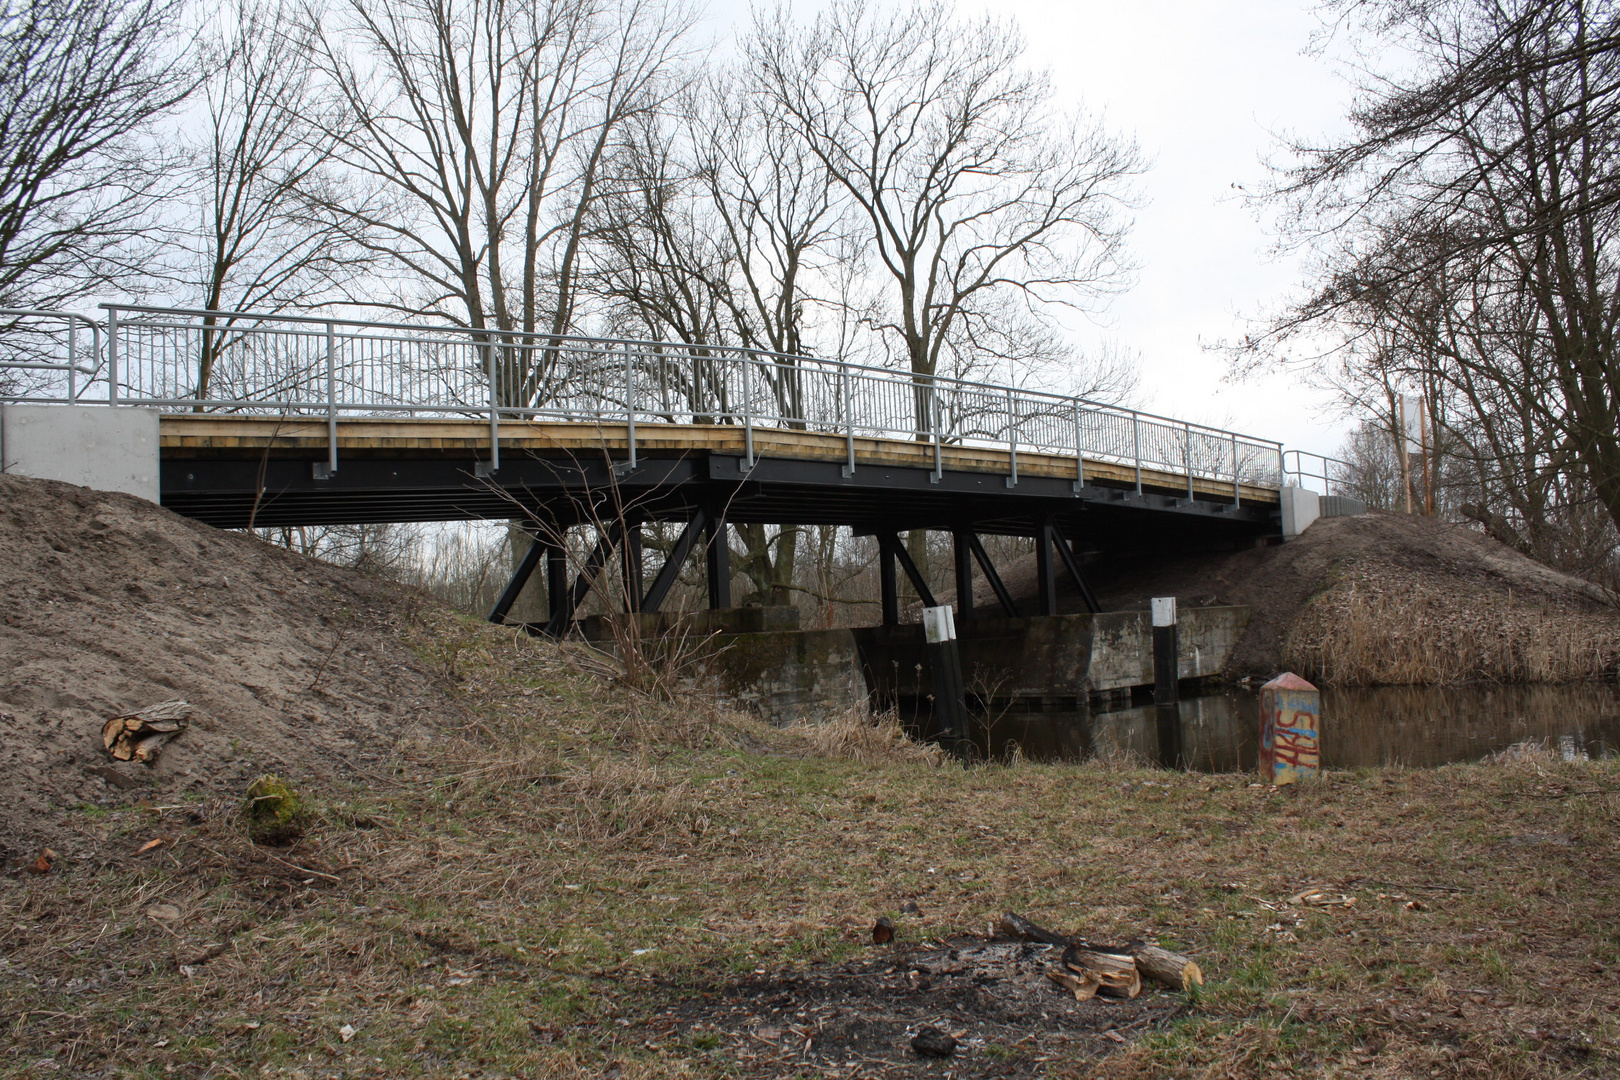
{"x":1396,"y":725}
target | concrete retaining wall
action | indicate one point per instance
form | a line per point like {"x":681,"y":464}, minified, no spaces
{"x":109,"y":449}
{"x":791,"y":675}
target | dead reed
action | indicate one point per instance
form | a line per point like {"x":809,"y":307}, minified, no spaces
{"x":1393,"y":628}
{"x":860,"y":736}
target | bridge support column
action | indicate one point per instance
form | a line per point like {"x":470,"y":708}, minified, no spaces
{"x":557,"y":576}
{"x":963,"y":551}
{"x":888,"y":586}
{"x":717,"y":553}
{"x":1045,"y":579}
{"x":630,"y":566}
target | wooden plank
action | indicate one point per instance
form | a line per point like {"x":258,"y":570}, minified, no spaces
{"x":197,"y":434}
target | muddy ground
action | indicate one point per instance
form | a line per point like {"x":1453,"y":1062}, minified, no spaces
{"x":109,"y":603}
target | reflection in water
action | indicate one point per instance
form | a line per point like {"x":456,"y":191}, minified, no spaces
{"x":1395,"y":725}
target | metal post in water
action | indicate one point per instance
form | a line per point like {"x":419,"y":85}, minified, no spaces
{"x":945,"y":672}
{"x":1166,"y":673}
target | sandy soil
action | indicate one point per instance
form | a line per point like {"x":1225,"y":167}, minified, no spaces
{"x":109,"y":603}
{"x":1279,"y":582}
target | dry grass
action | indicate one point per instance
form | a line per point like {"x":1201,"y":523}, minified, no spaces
{"x":860,"y":736}
{"x":1394,"y":628}
{"x":526,"y":901}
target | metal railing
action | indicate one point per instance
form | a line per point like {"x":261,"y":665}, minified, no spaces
{"x":1305,"y":469}
{"x":317,"y":366}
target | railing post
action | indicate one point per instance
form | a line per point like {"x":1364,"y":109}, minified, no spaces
{"x":933,"y":420}
{"x":112,"y":356}
{"x":1237,"y":492}
{"x":73,"y":359}
{"x":1282,"y":467}
{"x":1012,"y":441}
{"x":748,"y":411}
{"x":630,"y":402}
{"x":1136,"y":446}
{"x":1079,"y":451}
{"x":331,"y":400}
{"x":849,"y":420}
{"x":1186,"y":456}
{"x":491,"y":376}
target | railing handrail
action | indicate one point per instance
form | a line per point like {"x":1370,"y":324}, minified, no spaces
{"x":169,"y":357}
{"x":547,"y":339}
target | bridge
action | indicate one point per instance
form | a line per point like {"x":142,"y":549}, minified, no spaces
{"x":268,"y":420}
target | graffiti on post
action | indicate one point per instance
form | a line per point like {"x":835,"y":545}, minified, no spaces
{"x":1290,"y":729}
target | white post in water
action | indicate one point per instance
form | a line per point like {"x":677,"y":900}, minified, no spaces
{"x":945,"y":671}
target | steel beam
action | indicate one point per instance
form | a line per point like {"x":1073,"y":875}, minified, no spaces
{"x":1069,"y":560}
{"x":562,"y":618}
{"x":1002,"y":595}
{"x":964,"y":574}
{"x":888,"y":587}
{"x":1045,"y":579}
{"x":520,"y":577}
{"x":903,"y":557}
{"x":671,"y":570}
{"x":717,"y":556}
{"x":630,"y":566}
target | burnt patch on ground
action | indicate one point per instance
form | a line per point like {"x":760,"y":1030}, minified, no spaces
{"x":859,"y":1018}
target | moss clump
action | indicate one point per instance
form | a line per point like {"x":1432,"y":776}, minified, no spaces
{"x":273,"y":812}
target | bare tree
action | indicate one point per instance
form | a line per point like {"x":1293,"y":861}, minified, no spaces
{"x":270,"y":234}
{"x":981,"y":201}
{"x":81,"y":82}
{"x":483,"y":125}
{"x":1473,"y":220}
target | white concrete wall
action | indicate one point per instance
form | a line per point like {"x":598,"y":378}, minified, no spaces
{"x":95,"y":446}
{"x":1299,"y":508}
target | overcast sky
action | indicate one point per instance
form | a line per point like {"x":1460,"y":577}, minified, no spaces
{"x":1203,"y":86}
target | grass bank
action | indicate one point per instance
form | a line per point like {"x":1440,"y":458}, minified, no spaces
{"x":596,"y":882}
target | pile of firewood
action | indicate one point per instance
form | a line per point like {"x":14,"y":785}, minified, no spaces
{"x":1087,"y":969}
{"x":138,"y":736}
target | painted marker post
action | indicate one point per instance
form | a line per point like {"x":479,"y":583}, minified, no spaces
{"x":945,"y":671}
{"x":1290,"y":730}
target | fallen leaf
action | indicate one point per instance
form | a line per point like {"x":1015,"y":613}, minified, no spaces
{"x":346,"y":1032}
{"x":163,"y":912}
{"x":1116,"y":1036}
{"x":156,"y":841}
{"x":42,"y":865}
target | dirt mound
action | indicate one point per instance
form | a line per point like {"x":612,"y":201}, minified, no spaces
{"x":1376,"y":598}
{"x":109,"y":603}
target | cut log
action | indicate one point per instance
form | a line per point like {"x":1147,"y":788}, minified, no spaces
{"x":1084,"y":985}
{"x":138,"y":736}
{"x":1019,"y":927}
{"x":1115,"y":972}
{"x":1167,"y":968}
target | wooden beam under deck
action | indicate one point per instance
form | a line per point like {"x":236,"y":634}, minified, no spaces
{"x":203,"y":436}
